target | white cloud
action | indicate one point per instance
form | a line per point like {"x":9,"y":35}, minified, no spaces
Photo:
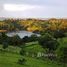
{"x":44,"y":8}
{"x":19,"y":7}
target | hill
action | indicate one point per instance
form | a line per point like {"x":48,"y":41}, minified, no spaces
{"x":33,"y":24}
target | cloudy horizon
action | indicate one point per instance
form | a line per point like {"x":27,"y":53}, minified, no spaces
{"x":33,"y":8}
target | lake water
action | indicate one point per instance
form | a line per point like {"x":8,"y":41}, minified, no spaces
{"x":21,"y":34}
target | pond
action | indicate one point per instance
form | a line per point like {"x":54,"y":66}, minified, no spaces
{"x":21,"y":34}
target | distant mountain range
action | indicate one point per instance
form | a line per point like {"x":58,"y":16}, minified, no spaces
{"x":3,"y":18}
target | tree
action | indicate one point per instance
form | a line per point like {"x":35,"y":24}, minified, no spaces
{"x":22,"y":51}
{"x":33,"y":37}
{"x":5,"y":40}
{"x":5,"y":45}
{"x":58,"y":34}
{"x":15,"y":41}
{"x":25,"y":39}
{"x":47,"y":41}
{"x":62,"y":54}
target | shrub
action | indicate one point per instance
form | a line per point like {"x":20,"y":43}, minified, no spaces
{"x":22,"y":51}
{"x":62,"y":54}
{"x":22,"y":61}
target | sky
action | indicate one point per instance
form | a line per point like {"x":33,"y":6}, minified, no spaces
{"x":33,"y":8}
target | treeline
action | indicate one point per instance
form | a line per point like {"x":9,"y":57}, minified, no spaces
{"x":33,"y":25}
{"x":10,"y":25}
{"x":16,"y":40}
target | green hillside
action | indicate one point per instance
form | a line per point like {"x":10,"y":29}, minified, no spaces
{"x":10,"y":56}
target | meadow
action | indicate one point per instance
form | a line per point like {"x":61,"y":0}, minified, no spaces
{"x":10,"y":56}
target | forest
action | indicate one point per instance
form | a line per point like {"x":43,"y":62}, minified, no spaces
{"x":33,"y":25}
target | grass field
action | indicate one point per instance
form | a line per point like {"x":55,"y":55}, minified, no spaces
{"x":10,"y":58}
